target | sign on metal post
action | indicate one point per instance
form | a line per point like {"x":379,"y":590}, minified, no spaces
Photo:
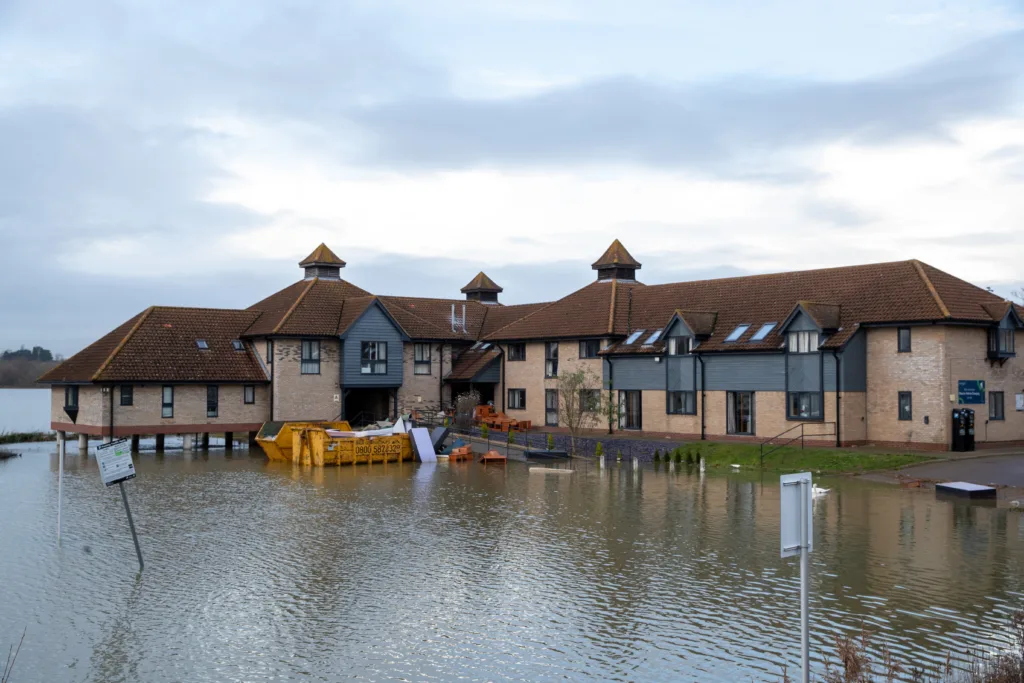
{"x":796,"y":538}
{"x":116,"y":467}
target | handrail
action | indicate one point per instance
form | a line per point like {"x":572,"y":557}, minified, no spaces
{"x":802,"y":436}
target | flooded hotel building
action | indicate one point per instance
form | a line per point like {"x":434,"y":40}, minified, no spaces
{"x":868,"y":354}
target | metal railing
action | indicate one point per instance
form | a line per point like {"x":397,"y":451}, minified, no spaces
{"x":802,"y":436}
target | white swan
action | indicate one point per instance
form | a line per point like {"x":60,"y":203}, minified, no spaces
{"x":702,"y":465}
{"x":817,"y":491}
{"x":735,"y":467}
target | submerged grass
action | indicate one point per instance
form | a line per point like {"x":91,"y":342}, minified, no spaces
{"x":792,"y":459}
{"x":26,"y":437}
{"x":854,"y":664}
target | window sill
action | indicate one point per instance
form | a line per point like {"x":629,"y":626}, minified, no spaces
{"x":670,"y":413}
{"x":791,"y":418}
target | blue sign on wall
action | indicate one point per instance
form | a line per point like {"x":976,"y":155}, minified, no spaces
{"x":970,"y":391}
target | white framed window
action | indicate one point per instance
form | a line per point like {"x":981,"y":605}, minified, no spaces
{"x":310,"y":357}
{"x":421,"y":359}
{"x":374,"y":358}
{"x":681,"y":403}
{"x":551,"y":359}
{"x":802,"y":342}
{"x":249,"y":394}
{"x":679,"y":346}
{"x":517,"y":399}
{"x":803,"y":405}
{"x":167,"y":401}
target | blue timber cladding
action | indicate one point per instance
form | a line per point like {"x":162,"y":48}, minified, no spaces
{"x":801,"y":321}
{"x":373,"y":325}
{"x":636,"y":373}
{"x":745,"y":372}
{"x":492,"y":373}
{"x":677,"y":329}
{"x":853,"y":366}
{"x":682,"y":372}
{"x":803,"y":371}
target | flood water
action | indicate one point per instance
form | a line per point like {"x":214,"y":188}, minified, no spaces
{"x":261,"y":572}
{"x":24,"y":410}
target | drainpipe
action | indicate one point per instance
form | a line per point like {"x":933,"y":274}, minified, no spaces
{"x":611,"y":389}
{"x":835,"y":355}
{"x":503,"y":390}
{"x":703,"y":402}
{"x":111,"y":412}
{"x":440,"y":376}
{"x":270,"y":344}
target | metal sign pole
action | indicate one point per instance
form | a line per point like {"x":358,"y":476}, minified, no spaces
{"x":131,"y":522}
{"x":805,"y":646}
{"x":60,"y":481}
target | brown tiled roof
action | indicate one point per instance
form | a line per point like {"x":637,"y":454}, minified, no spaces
{"x":423,"y":318}
{"x":615,"y":255}
{"x":471,"y":363}
{"x":825,"y":316}
{"x":322,"y":256}
{"x":159,"y":345}
{"x":498,"y":317}
{"x":701,"y":323}
{"x":84,"y":364}
{"x":599,"y":309}
{"x":351,"y":310}
{"x":903,"y":291}
{"x":481,"y":283}
{"x":307,"y":307}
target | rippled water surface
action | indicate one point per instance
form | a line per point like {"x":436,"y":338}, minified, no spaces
{"x":259,"y":572}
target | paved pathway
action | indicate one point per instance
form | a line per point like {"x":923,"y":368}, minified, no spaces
{"x":1004,"y":469}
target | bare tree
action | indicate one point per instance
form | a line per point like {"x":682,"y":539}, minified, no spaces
{"x":579,"y":402}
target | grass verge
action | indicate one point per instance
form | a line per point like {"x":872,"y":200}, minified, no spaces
{"x":26,"y":437}
{"x":793,"y":459}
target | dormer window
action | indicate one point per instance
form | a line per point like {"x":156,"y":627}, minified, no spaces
{"x":679,"y":346}
{"x":737,"y":333}
{"x":802,"y":342}
{"x":202,"y":345}
{"x":237,"y":345}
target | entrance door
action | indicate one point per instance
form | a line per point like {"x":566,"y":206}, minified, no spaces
{"x":739,"y":412}
{"x":630,"y":410}
{"x":551,"y":407}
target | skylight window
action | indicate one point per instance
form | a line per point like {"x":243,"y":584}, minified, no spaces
{"x":201,"y":343}
{"x":474,"y":346}
{"x":737,"y":333}
{"x":763,"y":331}
{"x":633,"y":337}
{"x":237,"y":345}
{"x":484,"y":347}
{"x":653,"y":338}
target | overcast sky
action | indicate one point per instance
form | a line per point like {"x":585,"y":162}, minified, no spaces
{"x":190,"y":153}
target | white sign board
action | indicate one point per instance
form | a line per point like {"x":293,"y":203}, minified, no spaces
{"x":115,"y":459}
{"x":794,"y":496}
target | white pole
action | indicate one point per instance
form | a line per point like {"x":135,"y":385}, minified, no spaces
{"x":60,"y":480}
{"x":805,"y":650}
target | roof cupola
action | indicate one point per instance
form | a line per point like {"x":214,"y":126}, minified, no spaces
{"x":482,"y":289}
{"x":616,"y":264}
{"x":322,"y":263}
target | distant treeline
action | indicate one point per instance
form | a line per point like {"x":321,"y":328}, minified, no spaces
{"x":23,"y":367}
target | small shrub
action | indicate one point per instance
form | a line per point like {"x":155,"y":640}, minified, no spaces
{"x":599,"y":451}
{"x":618,"y":455}
{"x":551,"y":442}
{"x":511,"y":436}
{"x":657,"y":455}
{"x":485,"y":431}
{"x":679,"y":458}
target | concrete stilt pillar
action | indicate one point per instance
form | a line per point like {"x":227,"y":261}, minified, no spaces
{"x":228,"y":438}
{"x":135,"y":443}
{"x":160,"y":442}
{"x":206,"y":441}
{"x":186,"y":442}
{"x":83,"y":444}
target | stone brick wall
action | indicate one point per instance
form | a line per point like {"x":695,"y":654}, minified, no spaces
{"x":529,"y":375}
{"x":93,"y":407}
{"x":306,"y":397}
{"x":967,"y":349}
{"x":923,"y":371}
{"x":422,"y":392}
{"x":190,"y":406}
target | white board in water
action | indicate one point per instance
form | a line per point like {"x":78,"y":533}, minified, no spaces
{"x":795,"y":499}
{"x":115,"y":461}
{"x":421,"y":443}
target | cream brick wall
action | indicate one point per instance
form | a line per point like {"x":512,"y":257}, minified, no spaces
{"x":306,"y":397}
{"x":967,"y":350}
{"x":529,"y":375}
{"x":190,"y":406}
{"x":923,"y":371}
{"x":93,"y":406}
{"x":423,"y":392}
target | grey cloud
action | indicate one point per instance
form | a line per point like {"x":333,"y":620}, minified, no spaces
{"x":735,"y":128}
{"x":837,"y":213}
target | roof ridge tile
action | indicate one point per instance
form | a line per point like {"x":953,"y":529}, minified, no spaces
{"x":117,"y":349}
{"x":295,"y":304}
{"x":919,"y":267}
